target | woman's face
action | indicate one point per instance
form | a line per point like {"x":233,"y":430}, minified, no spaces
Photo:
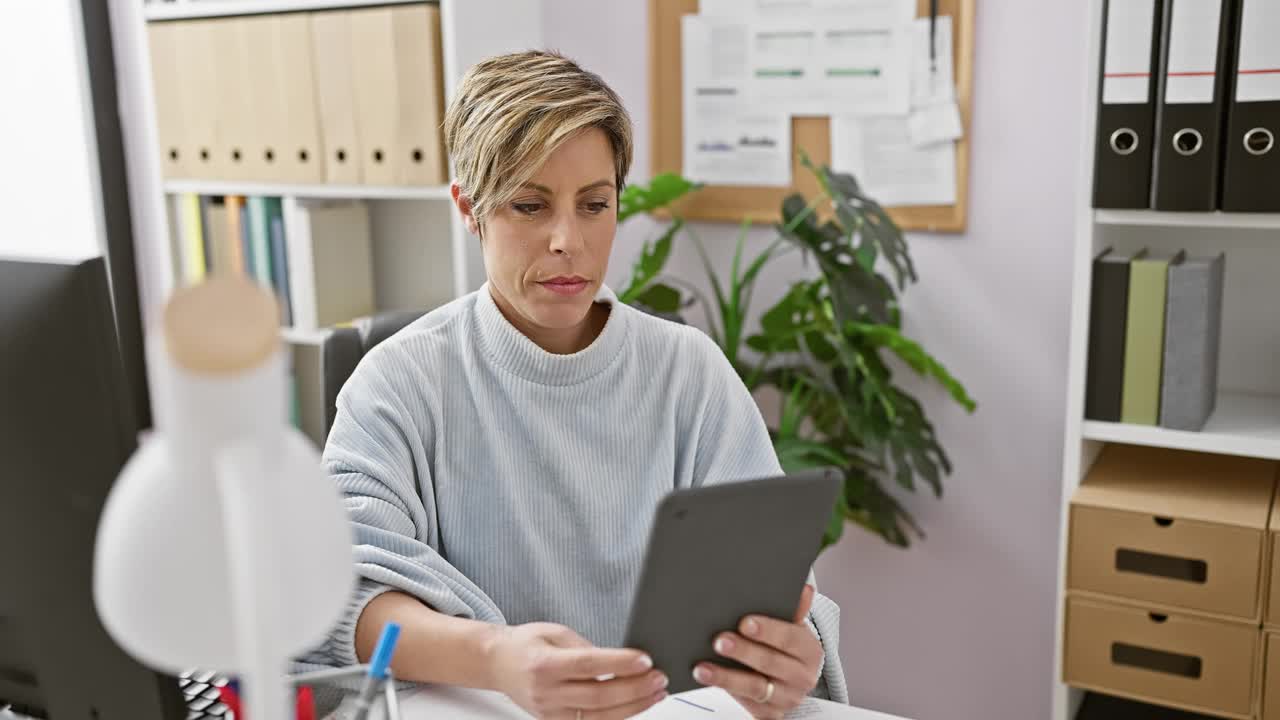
{"x":547,"y":250}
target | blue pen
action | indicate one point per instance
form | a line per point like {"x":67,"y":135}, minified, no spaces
{"x":378,"y":665}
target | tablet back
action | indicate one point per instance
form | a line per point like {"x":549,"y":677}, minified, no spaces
{"x":718,"y":553}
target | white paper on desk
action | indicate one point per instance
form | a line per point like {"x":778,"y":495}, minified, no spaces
{"x":716,"y":704}
{"x":454,"y":703}
{"x":827,"y":710}
{"x":878,"y":152}
{"x":730,"y":138}
{"x":704,"y":703}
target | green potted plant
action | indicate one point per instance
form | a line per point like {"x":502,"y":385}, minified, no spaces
{"x":825,"y":346}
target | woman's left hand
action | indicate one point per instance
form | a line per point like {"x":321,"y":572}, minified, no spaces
{"x":784,"y":660}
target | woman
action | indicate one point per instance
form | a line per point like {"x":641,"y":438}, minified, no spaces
{"x":501,"y":457}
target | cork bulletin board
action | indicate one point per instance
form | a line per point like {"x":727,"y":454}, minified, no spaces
{"x":812,"y":134}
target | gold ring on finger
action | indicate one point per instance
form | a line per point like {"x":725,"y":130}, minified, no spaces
{"x":768,"y":693}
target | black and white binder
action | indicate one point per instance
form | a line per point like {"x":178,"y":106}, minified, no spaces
{"x":1251,"y":178}
{"x":1190,"y":113}
{"x":1126,"y":104}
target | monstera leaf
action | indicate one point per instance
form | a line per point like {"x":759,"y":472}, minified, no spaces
{"x":661,"y":191}
{"x":650,"y":263}
{"x":858,"y":293}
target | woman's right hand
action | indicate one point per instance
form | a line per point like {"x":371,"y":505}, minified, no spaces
{"x":555,"y":674}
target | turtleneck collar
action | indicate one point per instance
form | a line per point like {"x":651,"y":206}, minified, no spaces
{"x":508,"y":347}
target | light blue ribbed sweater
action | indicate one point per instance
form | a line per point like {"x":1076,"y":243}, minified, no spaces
{"x":499,"y":482}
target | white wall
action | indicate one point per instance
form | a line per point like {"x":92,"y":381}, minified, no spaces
{"x":48,"y":159}
{"x":959,"y":627}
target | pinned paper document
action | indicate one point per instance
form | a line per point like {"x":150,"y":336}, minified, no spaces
{"x":935,"y":115}
{"x":933,"y":124}
{"x":784,"y":66}
{"x":879,"y":153}
{"x":885,"y":79}
{"x":729,"y":139}
{"x":824,"y":57}
{"x":865,"y":57}
{"x":852,"y":59}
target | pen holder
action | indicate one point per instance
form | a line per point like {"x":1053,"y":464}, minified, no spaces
{"x":224,"y":478}
{"x":337,"y":690}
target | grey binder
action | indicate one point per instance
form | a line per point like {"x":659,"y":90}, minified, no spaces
{"x":1193,"y":323}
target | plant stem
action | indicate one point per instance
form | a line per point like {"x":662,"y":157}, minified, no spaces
{"x":754,"y":378}
{"x":761,"y":259}
{"x":702,"y":300}
{"x":808,"y":210}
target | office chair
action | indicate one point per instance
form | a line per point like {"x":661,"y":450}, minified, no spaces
{"x":344,"y":347}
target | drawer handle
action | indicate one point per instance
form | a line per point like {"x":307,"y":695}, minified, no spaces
{"x":1160,"y":661}
{"x":1165,"y":566}
{"x":1163,"y":521}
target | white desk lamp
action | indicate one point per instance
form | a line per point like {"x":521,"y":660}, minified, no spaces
{"x":222,"y":544}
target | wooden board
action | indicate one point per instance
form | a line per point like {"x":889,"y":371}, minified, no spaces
{"x":812,"y":134}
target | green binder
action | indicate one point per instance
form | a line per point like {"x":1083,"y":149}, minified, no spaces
{"x":1144,"y":339}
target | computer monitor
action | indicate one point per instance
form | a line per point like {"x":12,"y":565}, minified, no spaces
{"x":67,"y":426}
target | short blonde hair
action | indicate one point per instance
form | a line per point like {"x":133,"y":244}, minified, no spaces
{"x":511,"y":112}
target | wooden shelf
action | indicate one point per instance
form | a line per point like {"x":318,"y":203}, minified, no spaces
{"x":1264,"y":221}
{"x":1242,"y":424}
{"x":366,"y":192}
{"x":187,"y":9}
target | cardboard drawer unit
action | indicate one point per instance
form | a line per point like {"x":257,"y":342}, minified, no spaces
{"x":1173,"y":529}
{"x":1271,"y":678}
{"x":1272,"y":615}
{"x":1185,"y":661}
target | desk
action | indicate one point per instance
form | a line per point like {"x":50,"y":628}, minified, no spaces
{"x":433,"y":703}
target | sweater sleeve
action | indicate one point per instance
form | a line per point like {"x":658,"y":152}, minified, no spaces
{"x":733,"y":443}
{"x":378,"y":454}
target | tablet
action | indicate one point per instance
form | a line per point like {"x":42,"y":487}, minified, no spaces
{"x":720,"y":552}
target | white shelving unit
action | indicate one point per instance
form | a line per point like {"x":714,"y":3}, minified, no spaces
{"x":1152,"y":218}
{"x":189,"y":9}
{"x":1242,"y":424}
{"x":293,"y":336}
{"x":362,"y":192}
{"x":1246,"y":420}
{"x":423,"y":253}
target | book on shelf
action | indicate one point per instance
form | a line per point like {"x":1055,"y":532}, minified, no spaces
{"x":1193,"y":326}
{"x":1107,"y":319}
{"x":218,"y":235}
{"x":330,"y":263}
{"x":233,"y":234}
{"x":1144,"y":340}
{"x":279,"y":258}
{"x":1154,"y":336}
{"x":259,"y":241}
{"x":190,"y":244}
{"x":205,"y":203}
{"x":242,"y":234}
